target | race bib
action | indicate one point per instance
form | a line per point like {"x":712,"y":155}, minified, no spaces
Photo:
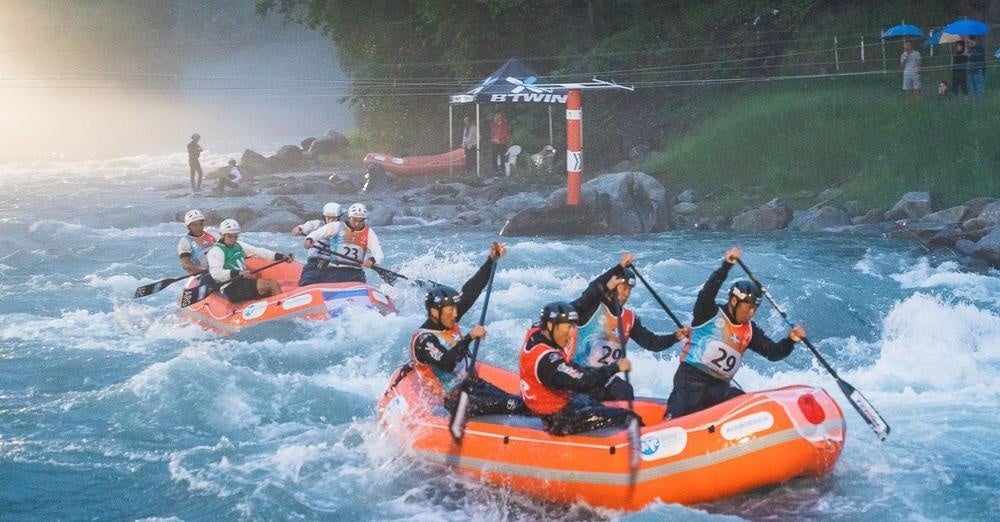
{"x":351,"y":252}
{"x":603,"y":352}
{"x":720,"y":359}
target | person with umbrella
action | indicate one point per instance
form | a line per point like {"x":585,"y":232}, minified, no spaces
{"x":911,"y":61}
{"x":959,"y":69}
{"x":977,"y":66}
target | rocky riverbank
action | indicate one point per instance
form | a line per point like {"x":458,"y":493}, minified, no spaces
{"x":292,"y":185}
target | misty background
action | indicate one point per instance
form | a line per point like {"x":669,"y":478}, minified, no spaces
{"x":94,"y":80}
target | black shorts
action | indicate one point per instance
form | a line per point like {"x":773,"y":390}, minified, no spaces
{"x":242,"y":290}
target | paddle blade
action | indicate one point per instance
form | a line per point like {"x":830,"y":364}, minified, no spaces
{"x":152,"y":288}
{"x":635,"y":445}
{"x":191,"y":296}
{"x":865,"y":409}
{"x":457,"y":426}
{"x":388,"y":276}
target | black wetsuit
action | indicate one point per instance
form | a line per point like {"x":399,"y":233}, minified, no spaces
{"x":484,"y":398}
{"x":583,"y":413}
{"x":695,"y":390}
{"x":194,"y":152}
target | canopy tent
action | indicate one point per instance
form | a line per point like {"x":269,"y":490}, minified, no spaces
{"x":513,"y":82}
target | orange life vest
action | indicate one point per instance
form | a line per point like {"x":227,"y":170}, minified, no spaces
{"x":436,"y":381}
{"x":537,"y":397}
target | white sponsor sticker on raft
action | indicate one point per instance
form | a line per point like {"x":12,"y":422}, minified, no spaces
{"x":380,"y":297}
{"x":379,"y":157}
{"x":739,"y":428}
{"x":297,"y":301}
{"x":255,"y":310}
{"x":395,"y":410}
{"x":663,"y":443}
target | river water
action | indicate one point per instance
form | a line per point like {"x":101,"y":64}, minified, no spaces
{"x":117,"y":408}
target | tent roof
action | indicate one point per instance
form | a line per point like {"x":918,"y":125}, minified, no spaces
{"x":511,"y":83}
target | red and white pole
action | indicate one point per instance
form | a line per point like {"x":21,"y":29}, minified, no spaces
{"x":574,"y":146}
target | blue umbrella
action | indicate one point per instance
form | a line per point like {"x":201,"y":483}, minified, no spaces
{"x":967,"y":28}
{"x":933,"y":39}
{"x":902,"y":30}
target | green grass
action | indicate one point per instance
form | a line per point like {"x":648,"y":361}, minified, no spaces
{"x":856,"y":134}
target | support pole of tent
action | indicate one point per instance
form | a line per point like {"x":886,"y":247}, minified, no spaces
{"x":836,"y":53}
{"x":479,"y":147}
{"x":451,"y":138}
{"x":550,"y":125}
{"x":862,"y":50}
{"x":574,"y":146}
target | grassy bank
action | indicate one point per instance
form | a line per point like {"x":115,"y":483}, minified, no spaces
{"x":860,"y":135}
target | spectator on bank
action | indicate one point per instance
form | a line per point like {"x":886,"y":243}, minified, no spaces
{"x":910,"y":60}
{"x":977,"y":67}
{"x":469,"y":138}
{"x":959,"y":69}
{"x":943,"y":89}
{"x":499,"y":137}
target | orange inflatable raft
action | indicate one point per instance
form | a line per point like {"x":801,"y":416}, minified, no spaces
{"x":416,"y":165}
{"x":318,"y":301}
{"x":761,"y":438}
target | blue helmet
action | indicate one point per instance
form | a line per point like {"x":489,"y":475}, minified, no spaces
{"x":746,"y":292}
{"x":441,"y":296}
{"x":557,"y":312}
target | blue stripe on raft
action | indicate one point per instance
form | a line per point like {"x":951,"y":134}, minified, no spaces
{"x":330,"y":295}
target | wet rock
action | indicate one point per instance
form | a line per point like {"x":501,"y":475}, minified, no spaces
{"x":381,"y":215}
{"x":274,"y":221}
{"x":254,"y":162}
{"x":288,"y":158}
{"x":316,"y":187}
{"x":216,"y":213}
{"x":988,"y":248}
{"x":976,"y":206}
{"x":469,"y":217}
{"x":331,"y":143}
{"x":346,"y":182}
{"x":815,"y":220}
{"x":286,"y":203}
{"x":774,"y":215}
{"x":911,"y":205}
{"x":829,"y":194}
{"x":306,"y":144}
{"x":686,"y":197}
{"x":990,"y":213}
{"x":949,"y":216}
{"x":965,"y":246}
{"x":946,"y":237}
{"x":874,"y":215}
{"x":558,"y":220}
{"x":685,"y":207}
{"x":510,"y":205}
{"x":852,"y":207}
{"x":629,"y":203}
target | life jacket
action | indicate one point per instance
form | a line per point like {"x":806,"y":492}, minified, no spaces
{"x":537,"y":397}
{"x":435,"y":381}
{"x":352,"y":245}
{"x":235,"y":259}
{"x":199,"y":247}
{"x":597,"y":341}
{"x":316,"y":253}
{"x":717,"y":346}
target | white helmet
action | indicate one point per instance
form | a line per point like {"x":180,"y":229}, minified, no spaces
{"x":196,"y":136}
{"x":332,"y":209}
{"x":357,"y":210}
{"x":229,"y":226}
{"x":192,"y":216}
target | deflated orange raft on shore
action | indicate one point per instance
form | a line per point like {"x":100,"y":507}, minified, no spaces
{"x":318,"y":301}
{"x":758,"y":439}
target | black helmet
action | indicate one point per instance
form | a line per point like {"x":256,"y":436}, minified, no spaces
{"x":441,"y":296}
{"x":629,"y":276}
{"x":746,"y":292}
{"x":557,"y":312}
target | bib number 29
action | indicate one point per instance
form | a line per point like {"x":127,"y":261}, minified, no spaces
{"x":610,"y":354}
{"x":725,"y":361}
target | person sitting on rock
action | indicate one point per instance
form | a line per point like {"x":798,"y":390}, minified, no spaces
{"x":227,"y":264}
{"x":599,"y":341}
{"x":720,"y":337}
{"x":231,"y":180}
{"x":318,"y":245}
{"x":557,"y":389}
{"x":193,"y":247}
{"x":353,"y":247}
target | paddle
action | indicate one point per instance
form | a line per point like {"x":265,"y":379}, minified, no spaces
{"x":461,"y":413}
{"x":387,"y":275}
{"x":860,"y":403}
{"x":656,"y":296}
{"x":195,"y":294}
{"x":152,"y":288}
{"x":633,"y":425}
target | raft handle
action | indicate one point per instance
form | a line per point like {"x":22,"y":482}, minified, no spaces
{"x":611,"y":449}
{"x":711,"y":428}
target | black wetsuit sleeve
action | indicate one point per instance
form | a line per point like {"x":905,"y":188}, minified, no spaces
{"x":556,"y":373}
{"x":650,"y":340}
{"x":429,"y":350}
{"x":762,"y":344}
{"x":590,"y":299}
{"x":705,"y":307}
{"x":474,"y":286}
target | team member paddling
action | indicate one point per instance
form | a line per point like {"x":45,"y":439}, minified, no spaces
{"x":439,"y":353}
{"x":318,"y":244}
{"x":549,"y":378}
{"x":355,"y":246}
{"x":599,"y":341}
{"x":720,"y":337}
{"x":227,"y":262}
{"x":193,"y":247}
